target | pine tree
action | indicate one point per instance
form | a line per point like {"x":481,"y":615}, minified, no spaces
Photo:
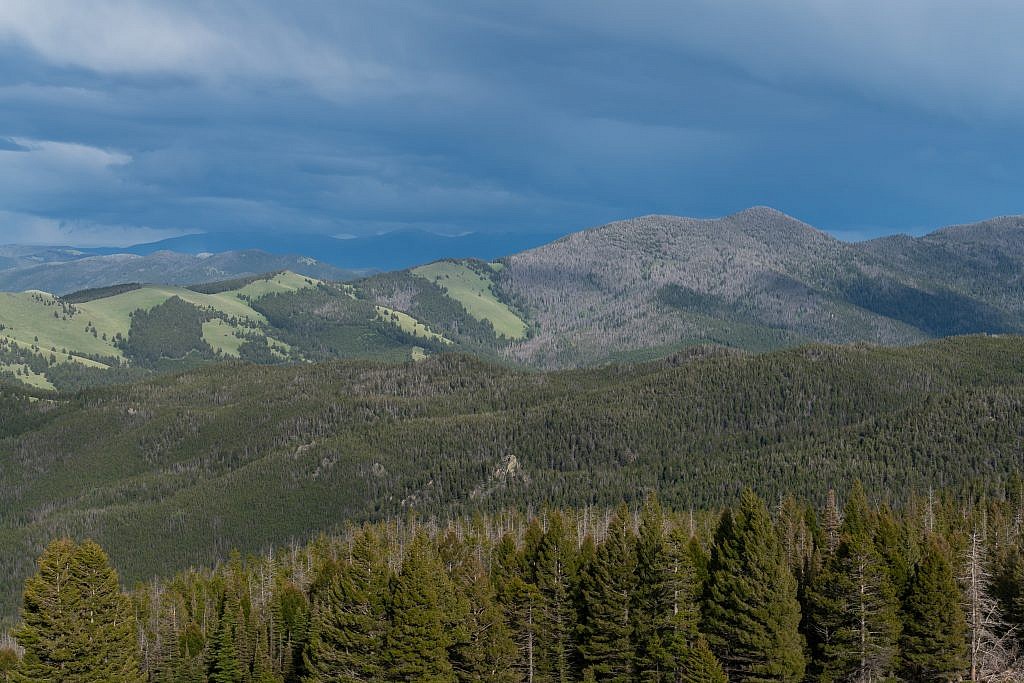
{"x":606,"y":628}
{"x":416,"y":647}
{"x":699,"y":665}
{"x":751,"y":616}
{"x":349,"y":623}
{"x":933,"y":646}
{"x":76,"y":624}
{"x":854,"y":610}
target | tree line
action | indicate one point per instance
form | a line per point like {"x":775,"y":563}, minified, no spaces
{"x":782,"y":593}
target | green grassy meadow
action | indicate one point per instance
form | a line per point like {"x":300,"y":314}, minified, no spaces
{"x":40,"y":332}
{"x":474,"y":290}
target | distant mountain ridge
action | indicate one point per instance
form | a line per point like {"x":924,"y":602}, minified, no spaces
{"x":759,"y":279}
{"x":630,"y":290}
{"x":386,"y":251}
{"x":63,"y":270}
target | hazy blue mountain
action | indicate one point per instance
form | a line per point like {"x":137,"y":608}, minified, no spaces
{"x":60,"y":271}
{"x":387,"y":251}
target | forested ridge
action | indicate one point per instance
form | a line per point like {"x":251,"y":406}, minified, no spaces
{"x":758,"y":279}
{"x":176,"y":471}
{"x":796,"y":591}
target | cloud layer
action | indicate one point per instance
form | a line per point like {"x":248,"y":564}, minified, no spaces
{"x":125,"y":119}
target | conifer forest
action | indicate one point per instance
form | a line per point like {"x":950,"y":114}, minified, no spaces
{"x":787,"y":592}
{"x":712,"y":516}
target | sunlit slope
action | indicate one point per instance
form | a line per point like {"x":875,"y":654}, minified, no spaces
{"x":470,"y":284}
{"x":151,"y":326}
{"x":409,"y":324}
{"x":44,"y":320}
{"x":39,"y":319}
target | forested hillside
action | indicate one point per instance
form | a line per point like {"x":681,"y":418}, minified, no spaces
{"x":758,"y":279}
{"x":839,"y":590}
{"x":179,"y":469}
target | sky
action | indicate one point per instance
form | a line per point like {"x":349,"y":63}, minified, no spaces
{"x":126,"y":122}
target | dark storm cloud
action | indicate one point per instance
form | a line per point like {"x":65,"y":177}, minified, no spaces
{"x":126,"y":121}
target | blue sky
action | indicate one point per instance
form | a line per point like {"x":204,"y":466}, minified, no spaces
{"x":123,"y":122}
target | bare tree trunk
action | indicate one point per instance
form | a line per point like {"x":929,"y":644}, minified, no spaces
{"x":994,"y":658}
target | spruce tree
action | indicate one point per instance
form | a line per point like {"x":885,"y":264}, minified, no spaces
{"x":653,"y":598}
{"x":520,"y":600}
{"x":699,"y":665}
{"x":933,"y":646}
{"x":606,"y":628}
{"x":289,"y":623}
{"x":223,"y":661}
{"x":895,"y":546}
{"x":554,"y":573}
{"x":486,"y":653}
{"x":854,"y":610}
{"x":751,"y":616}
{"x":416,"y":647}
{"x":349,"y":622}
{"x":685,"y":590}
{"x":665,"y":612}
{"x":76,"y":625}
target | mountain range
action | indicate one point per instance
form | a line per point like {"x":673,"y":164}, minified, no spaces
{"x":66,"y":270}
{"x":385,"y":251}
{"x":208,"y":257}
{"x":759,"y":279}
{"x":631,"y":290}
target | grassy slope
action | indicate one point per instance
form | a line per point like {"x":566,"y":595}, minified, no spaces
{"x":116,"y":310}
{"x":221,"y":337}
{"x":475,"y":292}
{"x":409,"y":324}
{"x":279,"y":284}
{"x":23,"y":373}
{"x":90,"y":328}
{"x":27,"y":316}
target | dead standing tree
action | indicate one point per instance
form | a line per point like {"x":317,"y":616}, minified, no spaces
{"x":993,"y":654}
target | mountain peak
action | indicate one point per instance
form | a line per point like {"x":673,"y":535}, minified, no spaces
{"x":762,"y":211}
